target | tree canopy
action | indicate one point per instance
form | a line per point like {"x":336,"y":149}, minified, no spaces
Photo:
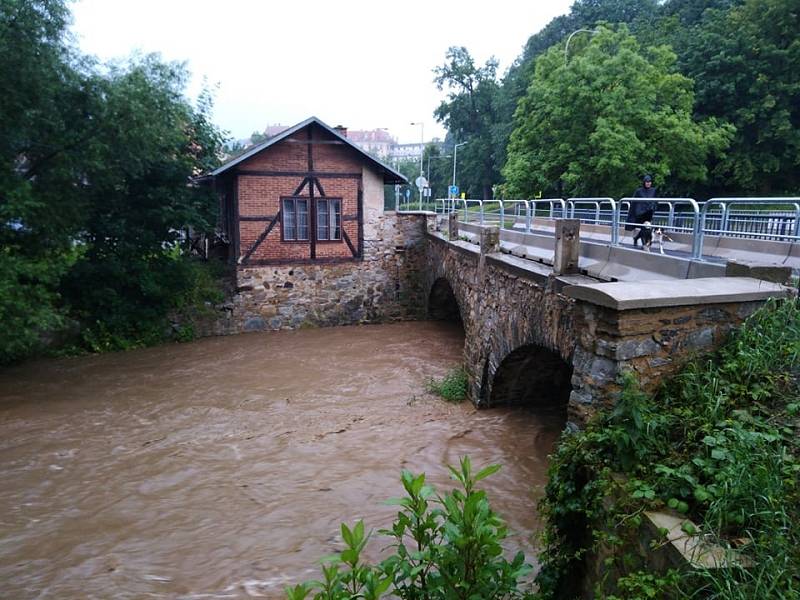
{"x":470,"y":114}
{"x":745,"y":62}
{"x":95,"y":170}
{"x":739,"y":57}
{"x":593,"y":123}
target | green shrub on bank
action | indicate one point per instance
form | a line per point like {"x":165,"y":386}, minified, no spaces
{"x":452,"y":387}
{"x":124,"y":305}
{"x":718,"y":443}
{"x":445,"y":547}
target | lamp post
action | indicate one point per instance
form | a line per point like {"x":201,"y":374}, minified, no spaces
{"x":455,"y":159}
{"x":421,"y":153}
{"x":566,"y":46}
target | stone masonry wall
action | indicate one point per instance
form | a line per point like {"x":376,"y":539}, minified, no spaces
{"x":653,"y":342}
{"x":507,"y":304}
{"x":385,"y":286}
{"x":502,"y":309}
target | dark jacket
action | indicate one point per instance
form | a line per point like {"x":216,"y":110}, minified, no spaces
{"x":639,"y":212}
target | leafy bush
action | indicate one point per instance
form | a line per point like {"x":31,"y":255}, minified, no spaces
{"x":452,"y":387}
{"x":445,"y":547}
{"x":127,"y":305}
{"x":719,"y":443}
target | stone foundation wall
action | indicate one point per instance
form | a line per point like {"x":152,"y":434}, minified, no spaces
{"x":385,"y":286}
{"x":653,"y":342}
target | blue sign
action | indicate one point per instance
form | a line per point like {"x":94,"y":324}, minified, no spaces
{"x":408,"y":193}
{"x":453,"y":189}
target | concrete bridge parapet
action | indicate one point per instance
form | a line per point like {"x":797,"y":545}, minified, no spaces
{"x":561,"y":342}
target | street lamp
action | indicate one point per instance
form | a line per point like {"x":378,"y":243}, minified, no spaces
{"x":455,"y":158}
{"x":422,"y":151}
{"x":566,"y":46}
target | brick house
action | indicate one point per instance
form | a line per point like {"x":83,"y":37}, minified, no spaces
{"x":304,"y":195}
{"x":309,"y":237}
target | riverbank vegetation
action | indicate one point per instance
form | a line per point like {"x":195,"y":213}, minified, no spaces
{"x":718,"y":444}
{"x":443,"y":547}
{"x":452,"y":387}
{"x":96,"y":167}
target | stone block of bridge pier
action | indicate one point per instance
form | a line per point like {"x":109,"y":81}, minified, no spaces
{"x":452,"y":226}
{"x":652,"y":328}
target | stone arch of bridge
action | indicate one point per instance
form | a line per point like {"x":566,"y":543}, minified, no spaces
{"x":443,"y":304}
{"x":530,"y":376}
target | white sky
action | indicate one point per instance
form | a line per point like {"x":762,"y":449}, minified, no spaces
{"x":356,"y":63}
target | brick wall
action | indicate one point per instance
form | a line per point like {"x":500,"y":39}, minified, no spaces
{"x":260,"y":196}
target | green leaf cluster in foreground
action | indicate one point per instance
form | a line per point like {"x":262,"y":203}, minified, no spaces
{"x":718,"y":443}
{"x":445,"y":547}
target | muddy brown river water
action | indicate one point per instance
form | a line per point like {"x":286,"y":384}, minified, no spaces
{"x":222,"y":468}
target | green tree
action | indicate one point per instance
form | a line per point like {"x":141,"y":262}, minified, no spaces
{"x":410,"y":168}
{"x":470,"y":114}
{"x":584,"y":14}
{"x":745,"y":62}
{"x":149,"y":142}
{"x":590,"y":126}
{"x":95,"y":184}
{"x":437,"y":169}
{"x":257,"y":137}
{"x":43,"y":127}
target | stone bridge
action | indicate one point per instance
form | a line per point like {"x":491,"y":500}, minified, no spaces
{"x":560,"y":342}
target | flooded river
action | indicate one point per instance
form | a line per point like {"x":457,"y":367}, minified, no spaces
{"x":223,"y":468}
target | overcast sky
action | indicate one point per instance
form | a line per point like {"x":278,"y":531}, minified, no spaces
{"x":361,"y":64}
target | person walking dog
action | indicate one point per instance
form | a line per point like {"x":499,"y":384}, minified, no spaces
{"x":639,"y":212}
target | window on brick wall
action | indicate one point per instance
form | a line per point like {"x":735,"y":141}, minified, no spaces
{"x":294,"y":219}
{"x":329,"y":219}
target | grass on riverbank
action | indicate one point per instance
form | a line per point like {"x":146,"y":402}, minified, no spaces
{"x":452,"y":387}
{"x":720,"y":444}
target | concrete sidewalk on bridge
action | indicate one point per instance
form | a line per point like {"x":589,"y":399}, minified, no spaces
{"x":715,"y":248}
{"x":600,"y":260}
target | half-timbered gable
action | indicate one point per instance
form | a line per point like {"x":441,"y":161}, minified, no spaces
{"x":306,"y":195}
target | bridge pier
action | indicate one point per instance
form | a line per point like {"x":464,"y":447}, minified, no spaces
{"x":652,"y":330}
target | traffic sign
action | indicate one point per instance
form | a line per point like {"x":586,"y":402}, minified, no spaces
{"x":453,"y":189}
{"x":408,"y":193}
{"x":421,"y":182}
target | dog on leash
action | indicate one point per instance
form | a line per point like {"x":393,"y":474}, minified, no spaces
{"x":645,"y":234}
{"x":659,"y":237}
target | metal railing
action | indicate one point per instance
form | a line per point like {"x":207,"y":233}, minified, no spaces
{"x":680,"y":215}
{"x":726,"y":203}
{"x":671,"y":202}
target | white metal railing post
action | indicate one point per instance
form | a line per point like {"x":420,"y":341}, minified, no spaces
{"x":796,"y":219}
{"x":697,"y":231}
{"x":527,"y":216}
{"x":725,"y":214}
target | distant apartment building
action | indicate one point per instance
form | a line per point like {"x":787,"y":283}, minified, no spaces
{"x":407,"y":151}
{"x":377,"y":142}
